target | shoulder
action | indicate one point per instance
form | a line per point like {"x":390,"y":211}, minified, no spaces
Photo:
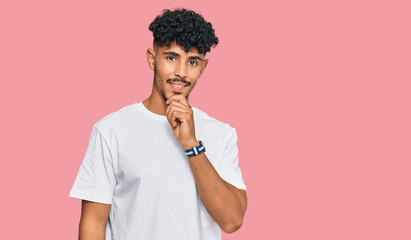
{"x":117,"y":118}
{"x":204,"y":121}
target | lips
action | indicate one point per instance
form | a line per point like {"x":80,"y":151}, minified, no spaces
{"x":177,"y":86}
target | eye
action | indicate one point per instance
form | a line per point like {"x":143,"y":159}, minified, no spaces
{"x":171,"y":58}
{"x":193,"y":63}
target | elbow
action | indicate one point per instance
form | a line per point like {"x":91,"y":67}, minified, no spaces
{"x":232,"y":226}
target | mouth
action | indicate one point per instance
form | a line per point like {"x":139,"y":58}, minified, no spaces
{"x":178,"y":87}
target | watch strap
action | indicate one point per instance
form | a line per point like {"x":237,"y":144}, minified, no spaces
{"x":195,"y":150}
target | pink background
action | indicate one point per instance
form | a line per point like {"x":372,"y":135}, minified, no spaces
{"x":319,"y":92}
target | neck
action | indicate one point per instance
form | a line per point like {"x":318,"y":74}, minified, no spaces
{"x":155,"y":103}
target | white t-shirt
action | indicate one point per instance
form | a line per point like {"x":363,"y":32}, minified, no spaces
{"x":134,"y":162}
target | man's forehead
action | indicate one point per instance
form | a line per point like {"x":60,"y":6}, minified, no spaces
{"x":174,"y":47}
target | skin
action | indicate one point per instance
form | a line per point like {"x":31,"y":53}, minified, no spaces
{"x":93,"y":220}
{"x":170,"y":63}
{"x":225,"y":203}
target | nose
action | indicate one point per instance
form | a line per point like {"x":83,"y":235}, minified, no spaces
{"x":181,"y":70}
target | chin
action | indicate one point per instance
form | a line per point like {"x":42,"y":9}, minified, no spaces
{"x":166,"y":96}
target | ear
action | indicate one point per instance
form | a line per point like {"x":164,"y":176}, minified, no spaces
{"x":205,"y":62}
{"x":151,"y":58}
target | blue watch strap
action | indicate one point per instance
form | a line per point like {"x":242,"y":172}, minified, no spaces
{"x":195,"y":150}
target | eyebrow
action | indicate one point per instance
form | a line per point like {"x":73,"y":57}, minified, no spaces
{"x":177,"y":55}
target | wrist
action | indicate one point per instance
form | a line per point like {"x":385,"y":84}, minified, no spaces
{"x":190,"y":144}
{"x":196,"y":150}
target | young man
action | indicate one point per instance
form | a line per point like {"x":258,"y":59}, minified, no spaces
{"x":146,"y":173}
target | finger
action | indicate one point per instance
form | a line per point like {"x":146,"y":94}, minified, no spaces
{"x":170,"y":117}
{"x":175,"y":118}
{"x":176,"y":130}
{"x":178,"y":104}
{"x":178,"y":109}
{"x":177,"y":112}
{"x":179,"y":98}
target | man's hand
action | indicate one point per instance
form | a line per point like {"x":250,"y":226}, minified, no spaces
{"x":180,"y":117}
{"x":225,"y":203}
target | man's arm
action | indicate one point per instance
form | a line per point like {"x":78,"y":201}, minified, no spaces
{"x":93,"y":220}
{"x":225,"y":203}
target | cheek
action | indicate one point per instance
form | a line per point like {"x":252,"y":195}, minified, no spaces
{"x":161,"y":75}
{"x":194,"y":74}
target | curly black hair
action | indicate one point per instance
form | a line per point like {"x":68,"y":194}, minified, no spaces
{"x":187,"y":28}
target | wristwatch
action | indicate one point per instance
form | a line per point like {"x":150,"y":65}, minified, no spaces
{"x":195,"y":150}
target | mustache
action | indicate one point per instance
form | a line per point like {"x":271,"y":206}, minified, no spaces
{"x":178,"y":80}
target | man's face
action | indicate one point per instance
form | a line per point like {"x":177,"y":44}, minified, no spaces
{"x":175,"y":71}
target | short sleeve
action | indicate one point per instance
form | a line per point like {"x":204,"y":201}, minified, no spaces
{"x":229,"y":169}
{"x":95,"y":179}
